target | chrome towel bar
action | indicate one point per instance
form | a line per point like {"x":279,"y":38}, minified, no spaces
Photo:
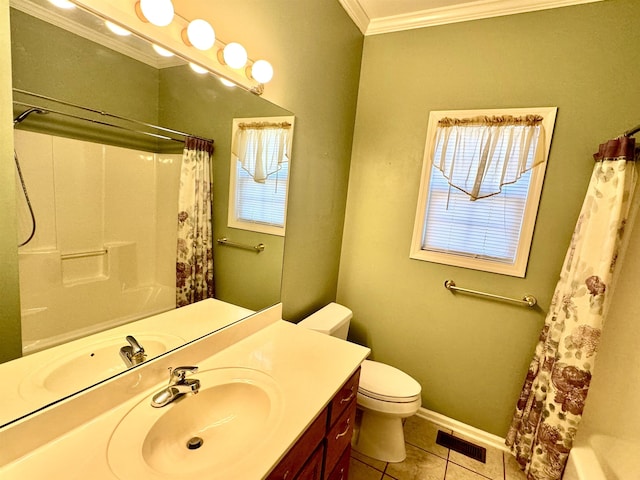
{"x":527,"y":300}
{"x":257,"y":248}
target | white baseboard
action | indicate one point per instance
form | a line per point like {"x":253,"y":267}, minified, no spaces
{"x":463,"y":429}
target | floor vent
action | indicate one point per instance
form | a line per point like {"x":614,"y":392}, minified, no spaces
{"x":462,"y":446}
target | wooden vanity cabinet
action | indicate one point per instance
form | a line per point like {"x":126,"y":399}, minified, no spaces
{"x":323,"y":451}
{"x":342,"y":416}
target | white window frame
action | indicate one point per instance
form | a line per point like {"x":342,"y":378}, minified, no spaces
{"x":232,"y":220}
{"x":519,"y":267}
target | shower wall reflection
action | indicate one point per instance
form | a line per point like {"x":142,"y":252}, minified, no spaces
{"x":103,"y":252}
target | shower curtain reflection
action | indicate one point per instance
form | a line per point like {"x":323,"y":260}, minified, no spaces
{"x":194,"y":265}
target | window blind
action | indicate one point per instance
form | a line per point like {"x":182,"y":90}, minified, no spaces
{"x":262,"y":203}
{"x":488,"y":228}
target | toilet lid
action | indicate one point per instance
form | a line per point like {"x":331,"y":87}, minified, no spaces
{"x":378,"y":380}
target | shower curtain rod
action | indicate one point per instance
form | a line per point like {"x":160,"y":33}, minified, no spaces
{"x":40,"y":109}
{"x":633,"y":131}
{"x":110,"y":115}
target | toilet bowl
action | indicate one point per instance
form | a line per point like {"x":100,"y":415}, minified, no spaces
{"x":386,"y":395}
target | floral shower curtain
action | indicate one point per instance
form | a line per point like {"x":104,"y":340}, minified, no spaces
{"x":552,"y":399}
{"x":194,"y":263}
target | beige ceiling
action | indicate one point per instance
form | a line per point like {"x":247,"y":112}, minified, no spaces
{"x":384,"y":16}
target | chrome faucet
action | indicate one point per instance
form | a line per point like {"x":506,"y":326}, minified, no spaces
{"x":178,"y":386}
{"x":132,"y":354}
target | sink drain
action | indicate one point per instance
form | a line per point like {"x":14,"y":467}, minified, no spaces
{"x":194,"y":443}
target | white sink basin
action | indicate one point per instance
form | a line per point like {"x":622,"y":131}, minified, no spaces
{"x":204,"y":435}
{"x":84,"y":366}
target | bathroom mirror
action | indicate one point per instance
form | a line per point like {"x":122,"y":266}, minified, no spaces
{"x":61,"y":55}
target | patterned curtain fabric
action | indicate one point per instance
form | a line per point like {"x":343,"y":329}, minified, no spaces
{"x":551,"y":402}
{"x":481,"y":154}
{"x":194,"y":264}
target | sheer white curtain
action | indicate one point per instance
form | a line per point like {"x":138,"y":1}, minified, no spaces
{"x":479,"y":155}
{"x":261,"y":148}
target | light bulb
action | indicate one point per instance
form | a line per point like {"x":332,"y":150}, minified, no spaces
{"x":262,"y":71}
{"x":226,"y":82}
{"x":117,"y":29}
{"x":62,"y":3}
{"x":201,"y":34}
{"x":197,"y":68}
{"x":234,"y":55}
{"x":161,"y":51}
{"x":157,"y":12}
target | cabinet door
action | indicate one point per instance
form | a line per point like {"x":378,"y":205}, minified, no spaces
{"x":343,"y":398}
{"x":341,"y":470}
{"x":313,"y":468}
{"x":339,"y":437}
{"x":293,"y":461}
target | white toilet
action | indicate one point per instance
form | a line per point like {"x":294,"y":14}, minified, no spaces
{"x":386,"y":395}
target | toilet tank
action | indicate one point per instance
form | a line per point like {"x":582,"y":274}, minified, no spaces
{"x":332,"y":319}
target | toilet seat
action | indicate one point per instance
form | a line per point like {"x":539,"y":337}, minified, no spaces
{"x":385,"y":383}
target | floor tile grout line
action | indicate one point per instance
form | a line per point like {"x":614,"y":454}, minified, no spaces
{"x":469,"y":470}
{"x":504,"y":468}
{"x":427,"y":451}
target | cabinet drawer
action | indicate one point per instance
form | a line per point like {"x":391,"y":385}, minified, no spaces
{"x":343,"y":398}
{"x":339,"y":437}
{"x":301,"y":451}
{"x":341,"y":470}
{"x":313,"y":468}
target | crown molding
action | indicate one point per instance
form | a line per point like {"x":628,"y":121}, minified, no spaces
{"x":357,"y":14}
{"x":464,"y":12}
{"x":109,"y":41}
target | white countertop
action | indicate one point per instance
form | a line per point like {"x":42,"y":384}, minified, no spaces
{"x":308,"y":368}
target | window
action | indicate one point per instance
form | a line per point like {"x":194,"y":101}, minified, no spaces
{"x":259,"y":175}
{"x":481,"y":182}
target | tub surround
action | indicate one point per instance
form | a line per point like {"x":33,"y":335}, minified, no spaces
{"x":602,"y":457}
{"x":309,"y":369}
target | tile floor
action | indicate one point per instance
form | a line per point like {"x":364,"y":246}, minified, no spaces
{"x":426,"y":460}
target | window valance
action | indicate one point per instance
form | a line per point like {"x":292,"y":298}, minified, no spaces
{"x":478,"y":155}
{"x":262,"y":148}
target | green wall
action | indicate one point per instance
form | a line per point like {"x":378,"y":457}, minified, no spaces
{"x":470,"y":354}
{"x":10,"y":340}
